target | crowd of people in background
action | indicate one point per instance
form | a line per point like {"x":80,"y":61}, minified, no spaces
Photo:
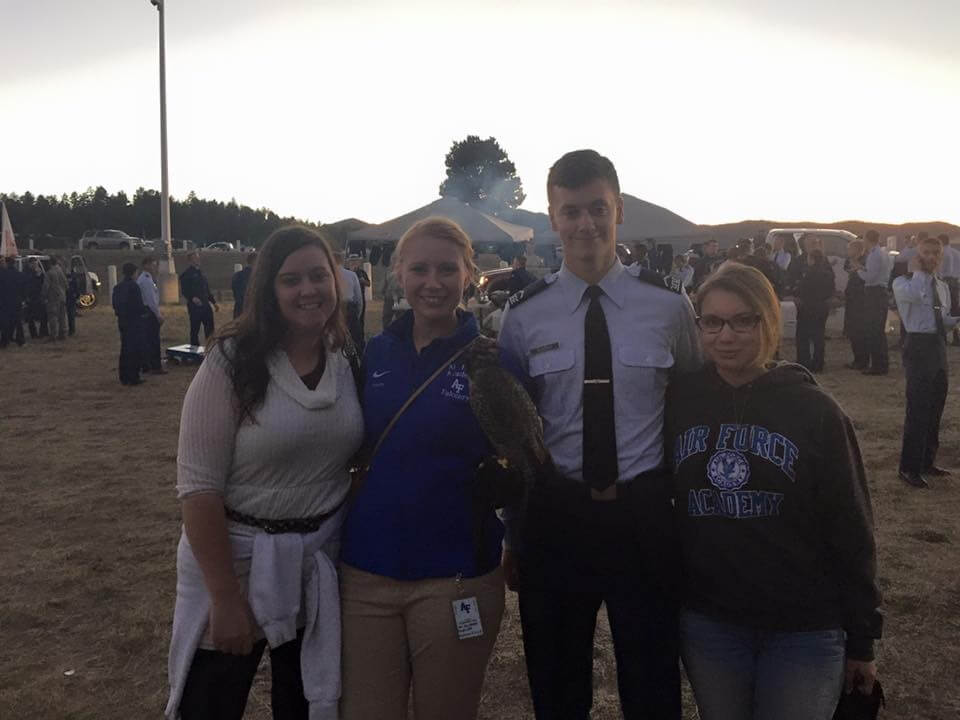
{"x":44,"y":300}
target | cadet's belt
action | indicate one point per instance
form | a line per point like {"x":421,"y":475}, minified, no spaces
{"x":283,"y":525}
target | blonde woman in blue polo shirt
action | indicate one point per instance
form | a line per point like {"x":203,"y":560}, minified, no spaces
{"x":413,"y":581}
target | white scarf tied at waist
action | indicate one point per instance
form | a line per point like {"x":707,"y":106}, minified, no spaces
{"x":284,"y":568}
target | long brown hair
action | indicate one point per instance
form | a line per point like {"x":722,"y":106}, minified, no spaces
{"x":257,"y":333}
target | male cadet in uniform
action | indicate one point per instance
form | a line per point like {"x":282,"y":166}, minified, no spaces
{"x":152,"y":318}
{"x":923,"y":302}
{"x":875,"y":276}
{"x":195,"y":288}
{"x":599,"y":342}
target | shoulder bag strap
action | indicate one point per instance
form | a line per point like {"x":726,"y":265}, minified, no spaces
{"x":416,"y":393}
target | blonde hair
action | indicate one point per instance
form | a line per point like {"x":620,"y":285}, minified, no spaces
{"x":753,"y":288}
{"x":858,"y":244}
{"x":444,"y":229}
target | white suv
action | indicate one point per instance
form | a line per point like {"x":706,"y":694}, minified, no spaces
{"x":109,"y":240}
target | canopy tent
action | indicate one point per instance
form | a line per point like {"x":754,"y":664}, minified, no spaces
{"x":643,"y":220}
{"x":482,"y":228}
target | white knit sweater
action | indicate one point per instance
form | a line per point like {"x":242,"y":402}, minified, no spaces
{"x":292,"y":462}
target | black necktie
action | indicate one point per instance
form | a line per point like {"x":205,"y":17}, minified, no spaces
{"x":599,"y":429}
{"x":937,"y":308}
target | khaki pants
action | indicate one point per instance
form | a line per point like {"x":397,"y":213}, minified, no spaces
{"x":397,"y":632}
{"x":57,"y":319}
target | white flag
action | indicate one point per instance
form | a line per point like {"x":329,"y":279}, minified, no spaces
{"x":8,"y":245}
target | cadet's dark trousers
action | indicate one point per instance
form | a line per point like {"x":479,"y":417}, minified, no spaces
{"x":200,"y":315}
{"x":218,"y":684}
{"x":11,"y":328}
{"x":131,"y":352}
{"x":578,"y":554}
{"x":875,"y":326}
{"x":854,"y":327}
{"x":151,"y":342}
{"x":811,"y":328}
{"x":925,"y":362}
{"x":71,"y":316}
{"x":37,"y":320}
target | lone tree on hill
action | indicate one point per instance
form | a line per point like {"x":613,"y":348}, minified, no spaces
{"x":480,"y":174}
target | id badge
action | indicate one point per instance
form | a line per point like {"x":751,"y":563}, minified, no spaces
{"x":466,"y":615}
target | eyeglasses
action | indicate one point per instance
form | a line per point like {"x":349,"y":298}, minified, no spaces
{"x":743,"y":323}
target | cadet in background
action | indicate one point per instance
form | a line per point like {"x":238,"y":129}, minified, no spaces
{"x":876,"y":276}
{"x":195,"y":288}
{"x":923,"y":301}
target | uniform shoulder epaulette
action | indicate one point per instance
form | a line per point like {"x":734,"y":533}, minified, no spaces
{"x":529,"y":291}
{"x":662,"y":281}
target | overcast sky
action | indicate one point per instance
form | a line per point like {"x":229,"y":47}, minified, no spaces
{"x":720,"y":110}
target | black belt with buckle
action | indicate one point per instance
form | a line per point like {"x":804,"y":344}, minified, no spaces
{"x":282,"y":525}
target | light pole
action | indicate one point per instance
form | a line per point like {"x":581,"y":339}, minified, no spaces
{"x":168,"y":286}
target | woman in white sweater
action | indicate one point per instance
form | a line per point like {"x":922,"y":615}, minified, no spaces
{"x":268,"y":427}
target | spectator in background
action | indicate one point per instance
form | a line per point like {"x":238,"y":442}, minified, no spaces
{"x":800,"y":263}
{"x":129,"y":308}
{"x":854,"y":314}
{"x":923,"y":301}
{"x":195,"y":288}
{"x":641,"y":256}
{"x":356,"y":265}
{"x":876,"y":275}
{"x":950,"y":272}
{"x":520,"y":277}
{"x":33,"y":291}
{"x":781,"y":256}
{"x":11,"y":301}
{"x":152,"y":317}
{"x":54,"y":292}
{"x":813,"y":296}
{"x":238,"y":283}
{"x":76,"y":283}
{"x":760,"y":259}
{"x":390,"y":291}
{"x":707,"y":263}
{"x":681,"y":271}
{"x":353,"y":301}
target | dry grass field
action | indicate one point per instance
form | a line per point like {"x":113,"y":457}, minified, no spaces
{"x":90,"y":524}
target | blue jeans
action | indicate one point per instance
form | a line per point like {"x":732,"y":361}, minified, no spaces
{"x":739,"y":673}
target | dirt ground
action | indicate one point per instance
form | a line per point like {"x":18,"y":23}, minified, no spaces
{"x":90,"y":524}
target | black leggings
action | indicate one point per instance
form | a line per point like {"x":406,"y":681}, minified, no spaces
{"x":218,"y":684}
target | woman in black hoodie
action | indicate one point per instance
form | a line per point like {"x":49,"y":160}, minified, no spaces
{"x":780,"y":599}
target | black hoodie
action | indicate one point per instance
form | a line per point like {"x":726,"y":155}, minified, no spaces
{"x":773,"y":509}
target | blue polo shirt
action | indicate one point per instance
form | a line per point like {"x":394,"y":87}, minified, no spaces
{"x":412,"y":519}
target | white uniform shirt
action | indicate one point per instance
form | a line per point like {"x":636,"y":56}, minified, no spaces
{"x":150,"y":293}
{"x":652,"y":333}
{"x":915,"y":303}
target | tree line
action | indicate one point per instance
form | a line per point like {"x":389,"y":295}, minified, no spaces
{"x":202,"y":221}
{"x":478,"y":172}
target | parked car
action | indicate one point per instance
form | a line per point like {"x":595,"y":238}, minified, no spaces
{"x":833,"y":242}
{"x":88,"y":293}
{"x":109,"y":240}
{"x":221,"y":246}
